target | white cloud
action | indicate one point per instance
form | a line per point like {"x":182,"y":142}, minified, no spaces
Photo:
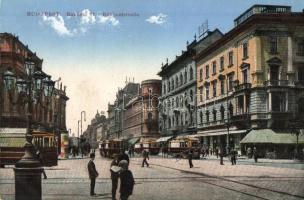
{"x":108,"y":20}
{"x":83,"y":24}
{"x":157,"y":19}
{"x":57,"y":23}
{"x":87,"y":17}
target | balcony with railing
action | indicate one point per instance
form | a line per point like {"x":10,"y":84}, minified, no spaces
{"x":299,"y":83}
{"x":278,"y":83}
{"x":238,"y":117}
{"x":242,"y":87}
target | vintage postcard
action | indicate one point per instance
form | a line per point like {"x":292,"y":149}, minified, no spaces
{"x":151,"y":100}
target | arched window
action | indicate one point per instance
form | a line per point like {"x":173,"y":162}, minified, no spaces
{"x":222,"y":113}
{"x":177,"y":102}
{"x":207,"y":116}
{"x":214,"y":115}
{"x":181,"y":78}
{"x":172,"y":84}
{"x":230,"y":110}
{"x":191,"y":73}
{"x":169,"y":86}
{"x":201,"y":117}
{"x":176,"y":82}
{"x":191,"y":95}
{"x":185,"y":76}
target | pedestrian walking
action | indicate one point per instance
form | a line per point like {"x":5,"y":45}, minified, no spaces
{"x":233,"y":155}
{"x":114,"y":175}
{"x":145,"y":154}
{"x":93,"y":174}
{"x":249,"y":152}
{"x":126,"y":181}
{"x":39,"y":157}
{"x":221,"y":154}
{"x":255,"y":154}
{"x":190,"y":156}
{"x":217,"y":152}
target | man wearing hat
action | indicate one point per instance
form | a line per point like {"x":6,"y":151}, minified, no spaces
{"x":126,"y":180}
{"x":92,"y":173}
{"x":114,"y":175}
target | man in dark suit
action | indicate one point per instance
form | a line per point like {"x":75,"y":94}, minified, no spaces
{"x":190,"y":156}
{"x":123,"y":156}
{"x":92,"y":173}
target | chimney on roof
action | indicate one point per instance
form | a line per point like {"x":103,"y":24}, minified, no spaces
{"x":187,"y":42}
{"x":167,"y":60}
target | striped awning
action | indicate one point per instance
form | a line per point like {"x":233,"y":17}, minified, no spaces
{"x":268,"y":136}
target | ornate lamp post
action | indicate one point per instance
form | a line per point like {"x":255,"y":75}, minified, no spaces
{"x":28,"y":169}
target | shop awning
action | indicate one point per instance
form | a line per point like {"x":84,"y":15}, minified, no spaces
{"x":12,"y":141}
{"x":268,"y":136}
{"x":220,"y":132}
{"x":164,"y":139}
{"x":132,"y":141}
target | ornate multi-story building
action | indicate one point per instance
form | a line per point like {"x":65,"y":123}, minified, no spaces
{"x":48,"y":112}
{"x":177,"y":110}
{"x":141,"y":113}
{"x":252,"y":78}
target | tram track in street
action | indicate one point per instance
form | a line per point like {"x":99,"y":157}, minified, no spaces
{"x":218,"y":182}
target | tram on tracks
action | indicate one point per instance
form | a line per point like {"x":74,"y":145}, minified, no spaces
{"x":148,"y":144}
{"x":12,"y":148}
{"x":108,"y":148}
{"x":180,"y":146}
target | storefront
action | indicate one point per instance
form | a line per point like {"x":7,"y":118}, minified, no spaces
{"x":271,"y":144}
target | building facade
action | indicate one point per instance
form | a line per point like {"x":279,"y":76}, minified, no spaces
{"x":123,"y":96}
{"x":141,"y":112}
{"x":97,"y":130}
{"x":252,"y":78}
{"x":49,"y":113}
{"x":177,"y":110}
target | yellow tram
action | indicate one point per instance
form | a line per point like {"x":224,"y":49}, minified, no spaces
{"x":182,"y":144}
{"x":108,"y":148}
{"x":12,"y":148}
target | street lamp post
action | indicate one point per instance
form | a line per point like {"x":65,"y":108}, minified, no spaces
{"x":84,"y":114}
{"x":28,"y":170}
{"x":78,"y":135}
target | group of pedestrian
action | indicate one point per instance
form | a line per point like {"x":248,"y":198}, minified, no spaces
{"x":119,"y":170}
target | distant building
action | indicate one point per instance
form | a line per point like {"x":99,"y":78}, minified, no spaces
{"x":123,"y":96}
{"x":141,"y":112}
{"x":97,"y":130}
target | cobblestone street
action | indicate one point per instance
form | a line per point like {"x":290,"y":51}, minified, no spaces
{"x":169,"y":178}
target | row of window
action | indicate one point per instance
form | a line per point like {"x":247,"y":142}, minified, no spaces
{"x":178,"y":101}
{"x":179,"y":121}
{"x":214,"y":66}
{"x":214,"y":114}
{"x":178,"y":81}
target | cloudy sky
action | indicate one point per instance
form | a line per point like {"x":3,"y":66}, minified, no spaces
{"x":93,"y":45}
